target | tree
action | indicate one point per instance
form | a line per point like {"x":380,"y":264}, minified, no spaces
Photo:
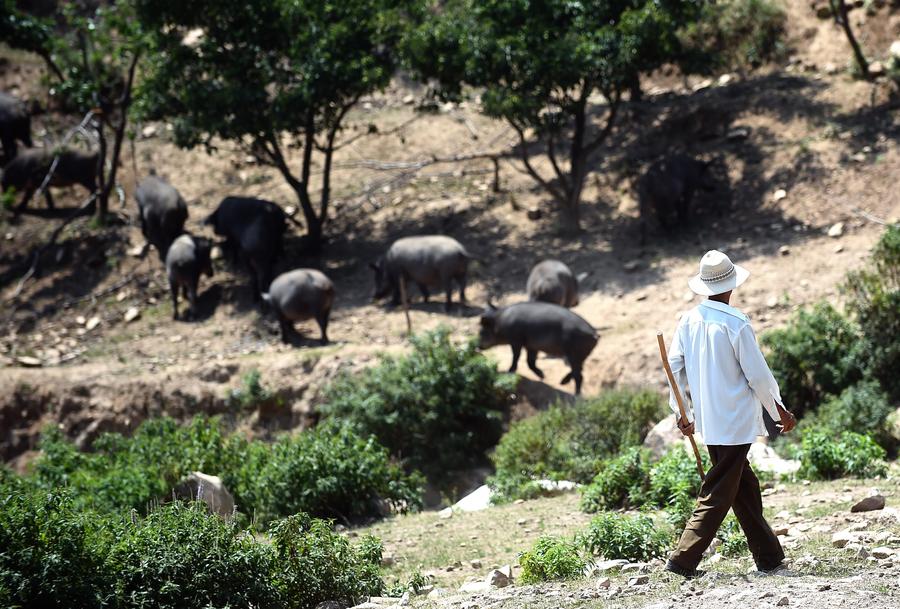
{"x":92,"y":56}
{"x":541,"y":64}
{"x":270,"y":75}
{"x":841,"y":13}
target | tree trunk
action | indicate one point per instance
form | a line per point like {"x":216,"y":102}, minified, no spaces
{"x":842,"y":15}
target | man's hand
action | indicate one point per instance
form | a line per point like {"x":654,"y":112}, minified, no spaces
{"x":686,"y":427}
{"x":788,"y":420}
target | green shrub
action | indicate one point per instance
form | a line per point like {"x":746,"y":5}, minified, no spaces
{"x":734,"y":35}
{"x":824,"y":456}
{"x":863,"y":408}
{"x":816,"y":355}
{"x":51,"y":555}
{"x":673,"y":476}
{"x":327,"y":471}
{"x":181,"y":556}
{"x":440,"y":408}
{"x":314,"y":564}
{"x":613,"y":536}
{"x":874,"y":302}
{"x":551,"y":558}
{"x":621,"y":482}
{"x":251,"y":394}
{"x":570,"y":442}
{"x":734,"y":542}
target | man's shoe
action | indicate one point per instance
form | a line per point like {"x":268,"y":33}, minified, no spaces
{"x":677,"y":569}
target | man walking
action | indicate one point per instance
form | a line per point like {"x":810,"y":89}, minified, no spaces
{"x":715,"y":357}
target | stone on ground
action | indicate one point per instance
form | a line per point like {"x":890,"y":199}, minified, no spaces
{"x":198,"y":486}
{"x":869,"y":504}
{"x":479,"y":499}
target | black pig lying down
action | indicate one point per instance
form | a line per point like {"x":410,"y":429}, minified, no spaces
{"x":540,"y":326}
{"x":299,"y":295}
{"x":667,"y":188}
{"x":552,"y":281}
{"x":429,"y":261}
{"x":187,"y":258}
{"x":15,"y":125}
{"x":27,"y":171}
{"x":162,"y":213}
{"x":254,"y":232}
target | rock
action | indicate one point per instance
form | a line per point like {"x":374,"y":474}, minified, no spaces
{"x":823,"y":11}
{"x":387,"y":560}
{"x":149,"y":131}
{"x":842,"y":538}
{"x":603,"y":583}
{"x":132,"y":314}
{"x":438,"y":593}
{"x":876,"y":68}
{"x":639,"y":580}
{"x":445,"y":513}
{"x":475,"y":564}
{"x":534,"y":214}
{"x":475,"y":587}
{"x":409,"y":100}
{"x":631,"y":266}
{"x":862,"y":553}
{"x":80,"y":320}
{"x":869,"y":504}
{"x":763,"y":457}
{"x":779,"y":194}
{"x":831,"y":69}
{"x":29,"y":362}
{"x":784,"y":250}
{"x":784,"y":601}
{"x":895,"y":50}
{"x":610,"y":565}
{"x":772,"y":302}
{"x":477,"y":500}
{"x":836,"y":230}
{"x":92,"y":323}
{"x":634,"y":567}
{"x":208,"y":489}
{"x":882,"y":552}
{"x":839,"y":248}
{"x":552,"y":488}
{"x":738,"y":134}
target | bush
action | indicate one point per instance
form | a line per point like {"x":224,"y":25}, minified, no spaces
{"x":734,"y":542}
{"x":440,"y":408}
{"x":621,"y":482}
{"x":51,"y":555}
{"x":863,"y":408}
{"x":327,"y":471}
{"x":251,"y":394}
{"x":674,"y":476}
{"x":734,"y":35}
{"x":816,"y":355}
{"x":825,"y":457}
{"x":874,"y":301}
{"x":613,"y":536}
{"x":551,"y":558}
{"x":315,"y":564}
{"x":570,"y":442}
{"x":180,"y":556}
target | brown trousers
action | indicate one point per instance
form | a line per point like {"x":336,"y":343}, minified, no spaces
{"x":729,"y":484}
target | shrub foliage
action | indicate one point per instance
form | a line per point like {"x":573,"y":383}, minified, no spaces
{"x":824,"y":457}
{"x":439,"y":408}
{"x":635,"y":537}
{"x":551,"y":558}
{"x":570,"y":442}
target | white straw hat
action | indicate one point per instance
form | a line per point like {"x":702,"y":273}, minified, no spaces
{"x":717,"y":275}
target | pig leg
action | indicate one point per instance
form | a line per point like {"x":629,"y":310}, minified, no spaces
{"x":191,"y":289}
{"x":173,"y":288}
{"x":322,"y":320}
{"x":517,"y":350}
{"x":29,"y":192}
{"x":287,"y":328}
{"x":49,"y":198}
{"x":448,"y":288}
{"x":532,"y":362}
{"x":424,"y":291}
{"x":462,"y":287}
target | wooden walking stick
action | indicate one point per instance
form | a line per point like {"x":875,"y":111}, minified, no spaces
{"x":677,"y":392}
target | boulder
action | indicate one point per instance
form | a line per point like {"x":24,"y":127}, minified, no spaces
{"x":209,"y":489}
{"x":869,"y":504}
{"x":499,"y":578}
{"x":763,"y":457}
{"x":477,"y":500}
{"x":842,"y":538}
{"x":666,"y":435}
{"x":475,"y":587}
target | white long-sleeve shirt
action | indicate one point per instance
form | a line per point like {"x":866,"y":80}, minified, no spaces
{"x":715,"y":357}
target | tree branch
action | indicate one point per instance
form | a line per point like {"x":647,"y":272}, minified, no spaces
{"x":526,"y":160}
{"x":614,"y":104}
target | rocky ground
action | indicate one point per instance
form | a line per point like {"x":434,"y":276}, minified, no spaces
{"x":837,"y":557}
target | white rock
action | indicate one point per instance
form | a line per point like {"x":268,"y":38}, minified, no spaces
{"x":149,"y":131}
{"x":876,"y":68}
{"x":610,"y":565}
{"x":477,"y":500}
{"x":895,"y":50}
{"x":779,"y":194}
{"x":842,"y":538}
{"x":475,"y":587}
{"x":409,"y":99}
{"x":498,"y":578}
{"x":556,"y":487}
{"x":198,"y":486}
{"x":29,"y":362}
{"x":784,"y":250}
{"x":639,"y":580}
{"x":763,"y":457}
{"x":80,"y":320}
{"x":882,"y":552}
{"x":836,"y":230}
{"x":445,"y":513}
{"x":131,"y":314}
